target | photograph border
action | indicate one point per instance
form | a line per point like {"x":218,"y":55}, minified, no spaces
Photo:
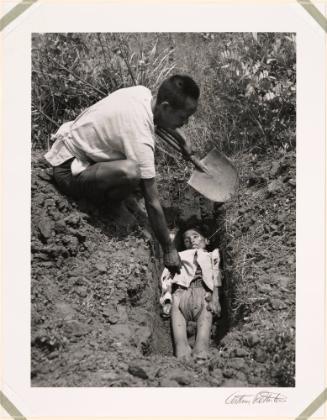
{"x":17,"y":11}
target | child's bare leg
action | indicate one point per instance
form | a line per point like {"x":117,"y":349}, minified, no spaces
{"x":204,"y":324}
{"x":178,"y":322}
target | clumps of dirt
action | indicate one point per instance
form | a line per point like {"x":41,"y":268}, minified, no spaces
{"x":94,"y":291}
{"x":258,"y":245}
{"x":91,"y":284}
{"x":95,"y":312}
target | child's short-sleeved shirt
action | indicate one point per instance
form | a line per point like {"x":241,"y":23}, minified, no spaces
{"x":119,"y":126}
{"x":207,"y":261}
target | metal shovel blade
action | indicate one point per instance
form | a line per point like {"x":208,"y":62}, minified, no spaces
{"x":221,"y":180}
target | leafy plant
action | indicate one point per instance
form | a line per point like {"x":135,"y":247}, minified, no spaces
{"x":72,"y":71}
{"x":255,"y":91}
{"x":247,"y":81}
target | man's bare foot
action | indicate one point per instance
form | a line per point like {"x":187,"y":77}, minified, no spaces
{"x":122,"y":216}
{"x":136,"y":206}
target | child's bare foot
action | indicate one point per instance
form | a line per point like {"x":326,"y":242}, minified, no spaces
{"x":200,"y":355}
{"x":183,"y":352}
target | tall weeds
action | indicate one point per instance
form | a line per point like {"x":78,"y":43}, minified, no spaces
{"x":247,"y":81}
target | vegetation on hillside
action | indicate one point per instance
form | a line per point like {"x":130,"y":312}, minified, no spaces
{"x":247,"y":109}
{"x":247,"y":81}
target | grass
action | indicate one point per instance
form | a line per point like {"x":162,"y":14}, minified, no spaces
{"x":72,"y":71}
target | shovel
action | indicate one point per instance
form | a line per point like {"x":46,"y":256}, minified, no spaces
{"x":214,"y":176}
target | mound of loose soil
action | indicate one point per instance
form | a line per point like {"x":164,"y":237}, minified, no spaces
{"x":95,"y":312}
{"x":258,"y":244}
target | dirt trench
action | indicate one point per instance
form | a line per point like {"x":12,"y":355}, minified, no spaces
{"x":198,"y":210}
{"x":95,"y":317}
{"x":95,"y":296}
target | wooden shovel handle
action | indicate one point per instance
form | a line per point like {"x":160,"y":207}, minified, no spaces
{"x":169,"y":139}
{"x":176,"y":135}
{"x":199,"y":165}
{"x":174,"y":139}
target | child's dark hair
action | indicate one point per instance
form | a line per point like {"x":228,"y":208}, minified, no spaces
{"x":176,"y":89}
{"x":201,"y":229}
{"x":198,"y":227}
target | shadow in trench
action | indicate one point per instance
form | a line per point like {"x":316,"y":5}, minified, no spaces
{"x":215,"y":221}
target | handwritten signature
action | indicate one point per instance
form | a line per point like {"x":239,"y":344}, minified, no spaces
{"x":262,"y":397}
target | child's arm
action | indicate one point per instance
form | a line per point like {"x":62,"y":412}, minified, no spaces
{"x":166,"y":292}
{"x":213,"y":302}
{"x":165,"y":279}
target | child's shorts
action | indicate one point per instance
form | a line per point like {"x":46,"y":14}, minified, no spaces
{"x":192,"y":300}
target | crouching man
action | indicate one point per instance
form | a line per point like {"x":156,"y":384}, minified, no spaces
{"x":108,"y":150}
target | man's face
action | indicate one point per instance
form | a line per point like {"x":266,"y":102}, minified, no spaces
{"x":169,"y":117}
{"x":194,"y":240}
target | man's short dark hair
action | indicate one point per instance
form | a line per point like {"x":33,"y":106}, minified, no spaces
{"x":176,"y":89}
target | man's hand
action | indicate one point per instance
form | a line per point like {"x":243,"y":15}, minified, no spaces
{"x":187,"y":149}
{"x":172,"y":260}
{"x":213,"y":302}
{"x":159,"y":225}
{"x":183,"y":142}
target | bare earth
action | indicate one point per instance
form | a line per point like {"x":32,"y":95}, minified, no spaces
{"x":94,"y":287}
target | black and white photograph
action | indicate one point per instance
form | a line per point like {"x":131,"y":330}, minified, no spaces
{"x":163,"y":209}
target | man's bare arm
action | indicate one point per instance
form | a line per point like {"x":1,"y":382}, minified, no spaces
{"x":159,"y":224}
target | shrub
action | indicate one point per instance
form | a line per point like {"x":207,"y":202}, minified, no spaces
{"x":254,"y":85}
{"x":247,"y":81}
{"x":72,"y":71}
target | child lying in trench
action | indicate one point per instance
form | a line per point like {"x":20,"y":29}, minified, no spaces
{"x":193,"y":294}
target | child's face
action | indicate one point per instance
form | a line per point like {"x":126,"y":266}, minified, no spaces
{"x":194,"y":240}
